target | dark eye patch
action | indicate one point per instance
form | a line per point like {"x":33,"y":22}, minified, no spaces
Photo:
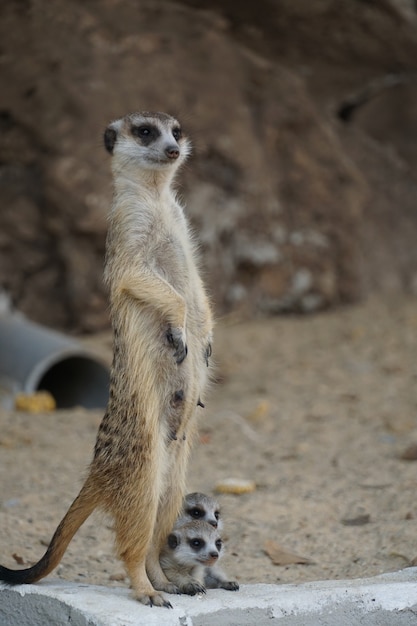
{"x":195,"y":512}
{"x":146,"y":133}
{"x":197,"y":544}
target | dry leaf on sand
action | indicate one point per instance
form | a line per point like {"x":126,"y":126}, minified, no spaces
{"x":410,"y":453}
{"x":281,"y":556}
{"x":19,"y":560}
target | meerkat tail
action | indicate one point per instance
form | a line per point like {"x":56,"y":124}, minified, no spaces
{"x":82,"y":507}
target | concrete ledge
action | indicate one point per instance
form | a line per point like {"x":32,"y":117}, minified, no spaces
{"x":382,"y":600}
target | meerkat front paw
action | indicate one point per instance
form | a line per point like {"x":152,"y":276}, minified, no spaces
{"x":230,"y":585}
{"x":192,"y":588}
{"x":176,"y":338}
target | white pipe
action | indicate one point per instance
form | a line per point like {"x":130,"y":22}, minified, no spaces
{"x":34,"y":358}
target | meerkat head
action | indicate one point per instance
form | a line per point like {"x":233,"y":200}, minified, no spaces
{"x":196,"y":542}
{"x":151,"y":141}
{"x":199,"y":506}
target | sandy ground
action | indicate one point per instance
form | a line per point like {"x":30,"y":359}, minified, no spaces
{"x":317,"y":410}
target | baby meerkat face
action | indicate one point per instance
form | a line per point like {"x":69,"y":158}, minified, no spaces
{"x":200,"y":506}
{"x":206,"y":551}
{"x":152,"y":141}
{"x":196,"y":542}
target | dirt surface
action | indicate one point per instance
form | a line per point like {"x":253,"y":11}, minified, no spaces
{"x":317,"y":410}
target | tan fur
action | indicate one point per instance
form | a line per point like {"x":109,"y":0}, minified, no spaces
{"x":158,"y":306}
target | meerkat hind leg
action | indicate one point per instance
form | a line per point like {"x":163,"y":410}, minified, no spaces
{"x":153,"y":567}
{"x":133,"y":542}
{"x":155,"y":572}
{"x":157,"y":576}
{"x":168,"y":512}
{"x":142,"y":588}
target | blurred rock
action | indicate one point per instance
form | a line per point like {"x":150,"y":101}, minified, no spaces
{"x":296,"y":208}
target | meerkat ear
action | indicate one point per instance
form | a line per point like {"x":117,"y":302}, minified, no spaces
{"x":110,"y":136}
{"x":173,"y":541}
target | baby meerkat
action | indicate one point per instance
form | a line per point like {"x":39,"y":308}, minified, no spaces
{"x":162,"y":330}
{"x":201,"y":507}
{"x":190,"y":556}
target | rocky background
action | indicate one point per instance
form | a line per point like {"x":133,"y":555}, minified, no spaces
{"x":303,"y":116}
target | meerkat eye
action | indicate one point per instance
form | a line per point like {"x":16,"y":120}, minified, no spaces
{"x":141,"y":131}
{"x":197,"y":543}
{"x":219,"y":544}
{"x":195,"y":513}
{"x":176,"y":133}
{"x":217,"y":514}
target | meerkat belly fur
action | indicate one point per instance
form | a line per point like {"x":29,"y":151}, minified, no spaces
{"x":190,"y":558}
{"x":162,"y":329}
{"x":186,"y":558}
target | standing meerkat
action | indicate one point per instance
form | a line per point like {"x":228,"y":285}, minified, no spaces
{"x":190,"y":558}
{"x":162,"y":329}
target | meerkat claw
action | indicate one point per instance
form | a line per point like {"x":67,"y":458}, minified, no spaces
{"x":155,"y":599}
{"x":207,"y":353}
{"x":175,"y":339}
{"x":180,"y":354}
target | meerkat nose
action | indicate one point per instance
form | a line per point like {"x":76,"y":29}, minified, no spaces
{"x":214,"y":555}
{"x":172,"y":152}
{"x":213,"y":522}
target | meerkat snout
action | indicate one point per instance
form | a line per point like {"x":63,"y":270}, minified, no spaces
{"x":213,"y":523}
{"x":172,"y":152}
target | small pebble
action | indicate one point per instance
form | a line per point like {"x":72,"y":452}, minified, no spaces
{"x":410,"y":453}
{"x":37,"y":402}
{"x":235,"y":485}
